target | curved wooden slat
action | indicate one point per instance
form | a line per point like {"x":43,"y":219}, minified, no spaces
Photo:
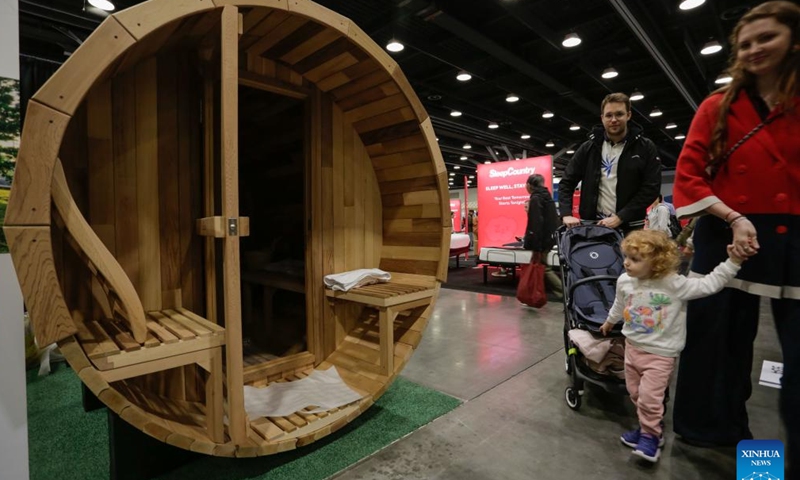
{"x":319,"y":14}
{"x":66,"y":89}
{"x":98,"y":254}
{"x":147,"y":17}
{"x":32,"y":253}
{"x":30,"y":196}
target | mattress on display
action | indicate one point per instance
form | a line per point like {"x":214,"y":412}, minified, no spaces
{"x":459,"y":241}
{"x":506,"y":256}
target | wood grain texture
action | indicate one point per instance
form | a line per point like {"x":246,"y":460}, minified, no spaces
{"x":126,"y":205}
{"x":168,"y":186}
{"x":65,"y":90}
{"x":32,"y":254}
{"x":42,"y":135}
{"x":143,"y":19}
{"x":147,"y":184}
{"x":99,"y":256}
{"x":230,"y":209}
{"x":101,"y":212}
{"x":320,"y":14}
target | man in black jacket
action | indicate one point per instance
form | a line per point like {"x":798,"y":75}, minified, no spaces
{"x":542,"y":223}
{"x":619,"y":169}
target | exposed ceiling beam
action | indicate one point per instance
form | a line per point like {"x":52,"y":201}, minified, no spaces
{"x":534,"y":24}
{"x":499,"y":52}
{"x":640,"y":33}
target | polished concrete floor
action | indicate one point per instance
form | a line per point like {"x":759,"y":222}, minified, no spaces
{"x":506,"y":362}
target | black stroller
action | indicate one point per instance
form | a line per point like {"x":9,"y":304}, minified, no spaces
{"x":591,"y":261}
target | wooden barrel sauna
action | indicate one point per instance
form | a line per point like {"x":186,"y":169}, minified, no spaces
{"x":184,"y":183}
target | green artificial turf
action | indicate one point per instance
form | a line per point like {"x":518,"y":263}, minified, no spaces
{"x":68,"y":443}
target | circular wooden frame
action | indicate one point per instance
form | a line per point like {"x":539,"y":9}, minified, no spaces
{"x":322,"y":56}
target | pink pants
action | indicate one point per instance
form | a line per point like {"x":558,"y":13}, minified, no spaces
{"x":647,"y":378}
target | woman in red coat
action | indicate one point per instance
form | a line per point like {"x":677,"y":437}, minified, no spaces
{"x":740,"y":168}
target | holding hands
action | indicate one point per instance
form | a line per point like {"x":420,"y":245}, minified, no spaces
{"x":745,"y":243}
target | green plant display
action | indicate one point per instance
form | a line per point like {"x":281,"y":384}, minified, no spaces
{"x":9,"y":143}
{"x":9,"y":126}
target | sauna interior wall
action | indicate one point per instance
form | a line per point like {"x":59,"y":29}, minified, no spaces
{"x":133,"y":159}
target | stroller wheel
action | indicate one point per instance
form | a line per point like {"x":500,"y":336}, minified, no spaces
{"x":568,"y":365}
{"x":573,"y":398}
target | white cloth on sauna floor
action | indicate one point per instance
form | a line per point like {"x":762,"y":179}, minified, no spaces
{"x":356,"y":278}
{"x":593,"y":348}
{"x":323,"y":389}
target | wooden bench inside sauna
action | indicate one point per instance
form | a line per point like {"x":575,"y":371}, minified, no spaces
{"x":184,"y":183}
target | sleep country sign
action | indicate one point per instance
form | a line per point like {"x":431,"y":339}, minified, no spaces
{"x":502,"y":196}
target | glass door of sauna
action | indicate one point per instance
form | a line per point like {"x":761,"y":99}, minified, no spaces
{"x":272,"y":169}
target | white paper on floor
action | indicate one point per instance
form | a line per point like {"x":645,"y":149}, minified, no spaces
{"x":324,"y":389}
{"x":771,"y":373}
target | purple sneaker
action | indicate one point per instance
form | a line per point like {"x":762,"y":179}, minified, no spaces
{"x":631,"y":438}
{"x":647,"y":447}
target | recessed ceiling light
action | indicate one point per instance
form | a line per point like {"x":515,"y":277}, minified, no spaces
{"x":570,"y":152}
{"x":463,"y":76}
{"x":437,"y":139}
{"x":680,"y":136}
{"x":636,"y":96}
{"x":711,"y":48}
{"x":455,"y":113}
{"x":452,"y":174}
{"x":462,"y":157}
{"x":524,"y":136}
{"x":467,"y":146}
{"x":494,"y":125}
{"x":609,"y":72}
{"x":670,"y":125}
{"x":574,"y":127}
{"x":548,"y":114}
{"x":549,"y":144}
{"x":394,"y":46}
{"x":472,"y":176}
{"x":487,"y":162}
{"x":511,"y":98}
{"x":457,"y":167}
{"x":656,"y":113}
{"x":690,"y":4}
{"x":571,"y":40}
{"x":723,"y":78}
{"x":102,"y":5}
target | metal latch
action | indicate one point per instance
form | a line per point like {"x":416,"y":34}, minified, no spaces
{"x":233,"y":227}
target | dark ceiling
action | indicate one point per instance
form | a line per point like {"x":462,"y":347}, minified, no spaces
{"x":509,"y":46}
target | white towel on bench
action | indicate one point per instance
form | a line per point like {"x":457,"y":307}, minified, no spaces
{"x":356,"y":278}
{"x":322,"y":390}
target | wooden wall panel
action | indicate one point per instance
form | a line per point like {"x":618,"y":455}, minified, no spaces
{"x":168,"y":187}
{"x":76,"y":282}
{"x":147,"y":183}
{"x":124,"y":135}
{"x":143,"y":180}
{"x":190,"y":185}
{"x":101,"y":213}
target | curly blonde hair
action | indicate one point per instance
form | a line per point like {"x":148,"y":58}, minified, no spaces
{"x":655,"y":246}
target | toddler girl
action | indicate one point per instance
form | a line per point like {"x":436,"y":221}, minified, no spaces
{"x":649,"y":298}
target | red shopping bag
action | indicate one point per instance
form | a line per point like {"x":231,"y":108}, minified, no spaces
{"x":530,"y":289}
